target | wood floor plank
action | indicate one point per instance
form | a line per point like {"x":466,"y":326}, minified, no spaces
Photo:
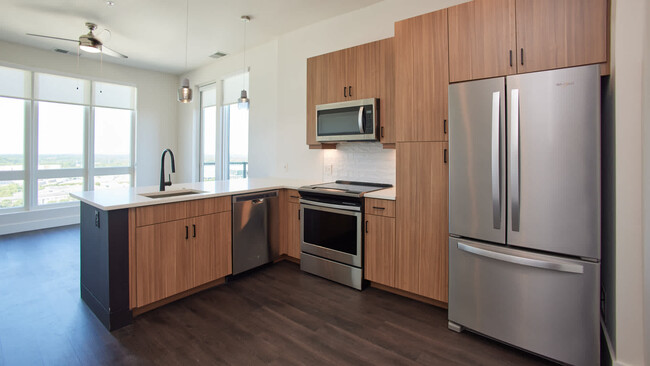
{"x":276,"y":315}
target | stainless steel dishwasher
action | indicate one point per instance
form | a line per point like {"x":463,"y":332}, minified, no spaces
{"x":254,"y":230}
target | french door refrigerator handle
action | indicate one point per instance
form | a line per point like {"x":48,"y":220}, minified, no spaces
{"x":360,"y":119}
{"x":514,"y":158}
{"x":528,"y":262}
{"x":496,"y":171}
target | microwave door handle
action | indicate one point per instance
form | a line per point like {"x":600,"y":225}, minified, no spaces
{"x":360,"y":119}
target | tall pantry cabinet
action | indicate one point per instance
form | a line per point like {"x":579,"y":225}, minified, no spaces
{"x":421,"y":82}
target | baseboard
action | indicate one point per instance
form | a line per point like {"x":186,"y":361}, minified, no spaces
{"x":53,"y":220}
{"x":410,"y":295}
{"x":610,"y":347}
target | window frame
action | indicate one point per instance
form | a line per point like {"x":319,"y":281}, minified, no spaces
{"x":31,"y":174}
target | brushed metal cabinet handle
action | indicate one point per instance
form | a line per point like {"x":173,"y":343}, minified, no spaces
{"x":345,"y":92}
{"x":378,"y":208}
{"x":522,"y":56}
{"x":510,"y":58}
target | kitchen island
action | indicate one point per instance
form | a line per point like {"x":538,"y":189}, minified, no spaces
{"x":139,"y":252}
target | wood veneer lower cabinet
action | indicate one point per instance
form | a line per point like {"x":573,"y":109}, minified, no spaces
{"x":293,"y":239}
{"x":422,"y":219}
{"x":379,"y":258}
{"x":175,"y":256}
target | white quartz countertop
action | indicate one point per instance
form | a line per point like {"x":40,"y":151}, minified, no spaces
{"x":115,"y":199}
{"x":384,"y":194}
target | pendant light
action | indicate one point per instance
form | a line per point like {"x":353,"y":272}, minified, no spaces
{"x":185,"y":92}
{"x":243,"y":99}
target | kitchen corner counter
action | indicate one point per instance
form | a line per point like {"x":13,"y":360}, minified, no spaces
{"x":115,"y":199}
{"x":384,"y":194}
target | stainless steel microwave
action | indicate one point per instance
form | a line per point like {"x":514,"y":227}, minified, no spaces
{"x":356,"y":120}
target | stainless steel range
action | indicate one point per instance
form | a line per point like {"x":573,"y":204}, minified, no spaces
{"x":331,"y":234}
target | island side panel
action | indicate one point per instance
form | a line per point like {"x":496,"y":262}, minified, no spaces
{"x":105,"y":265}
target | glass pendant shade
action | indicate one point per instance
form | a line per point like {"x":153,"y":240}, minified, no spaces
{"x":243,"y":100}
{"x":185,"y":92}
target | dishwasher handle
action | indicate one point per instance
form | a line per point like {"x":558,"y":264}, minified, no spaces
{"x":257,"y":198}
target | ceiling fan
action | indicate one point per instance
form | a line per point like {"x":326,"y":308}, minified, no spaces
{"x":88,"y":42}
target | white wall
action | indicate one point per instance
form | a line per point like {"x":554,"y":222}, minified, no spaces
{"x":262,"y":131}
{"x":156,"y":118}
{"x":628,"y":47}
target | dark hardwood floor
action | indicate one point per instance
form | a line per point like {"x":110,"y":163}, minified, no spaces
{"x":276,"y":315}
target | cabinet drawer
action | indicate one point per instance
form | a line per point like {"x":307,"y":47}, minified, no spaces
{"x":208,"y":206}
{"x":160,"y":213}
{"x":149,"y":215}
{"x":379,"y":207}
{"x":293,"y":196}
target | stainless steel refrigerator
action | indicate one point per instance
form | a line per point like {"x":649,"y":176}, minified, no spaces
{"x":524,"y":211}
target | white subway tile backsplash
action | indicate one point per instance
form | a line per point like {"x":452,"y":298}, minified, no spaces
{"x":360,"y":161}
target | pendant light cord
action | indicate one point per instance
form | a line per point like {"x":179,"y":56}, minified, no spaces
{"x":243,"y":79}
{"x":187,"y":26}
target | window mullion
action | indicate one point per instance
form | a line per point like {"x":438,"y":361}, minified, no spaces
{"x":90,"y":145}
{"x":31,"y":180}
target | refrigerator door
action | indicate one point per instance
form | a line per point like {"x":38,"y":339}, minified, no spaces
{"x":544,"y":304}
{"x":554,"y":161}
{"x":477,"y":159}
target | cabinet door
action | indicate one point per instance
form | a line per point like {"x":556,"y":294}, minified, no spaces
{"x":560,"y":33}
{"x":482,"y":40}
{"x":422,"y":223}
{"x":337,"y":76}
{"x":380,"y":250}
{"x":161,"y":254}
{"x":317,"y":88}
{"x":293,"y":237}
{"x":212,"y":249}
{"x":422,"y":77}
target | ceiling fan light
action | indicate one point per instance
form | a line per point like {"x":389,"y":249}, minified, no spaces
{"x":90,"y":49}
{"x":89,"y":44}
{"x":185,"y":92}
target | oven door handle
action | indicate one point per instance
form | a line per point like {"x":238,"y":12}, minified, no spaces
{"x":331,"y":205}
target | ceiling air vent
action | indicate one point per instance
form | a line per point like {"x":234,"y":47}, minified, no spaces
{"x":61,"y":51}
{"x":217,"y":55}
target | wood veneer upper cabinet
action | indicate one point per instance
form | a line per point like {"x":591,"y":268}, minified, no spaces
{"x":365,"y":71}
{"x":421,"y":77}
{"x":422,"y":221}
{"x":379,"y":248}
{"x":482,"y":42}
{"x":560,"y":33}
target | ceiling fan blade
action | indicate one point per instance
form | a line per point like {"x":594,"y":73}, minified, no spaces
{"x":110,"y":52}
{"x":59,"y":38}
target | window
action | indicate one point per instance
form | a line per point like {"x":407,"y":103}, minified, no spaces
{"x":224,"y":135}
{"x":62,"y":135}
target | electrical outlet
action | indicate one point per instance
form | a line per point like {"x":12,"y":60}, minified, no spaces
{"x":96,"y":218}
{"x":285,"y":167}
{"x":328,"y":169}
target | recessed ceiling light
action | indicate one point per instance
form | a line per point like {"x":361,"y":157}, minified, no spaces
{"x":110,"y":3}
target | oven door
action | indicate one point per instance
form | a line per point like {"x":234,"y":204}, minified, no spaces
{"x":331,"y":231}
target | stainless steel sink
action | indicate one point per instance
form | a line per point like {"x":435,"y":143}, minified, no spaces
{"x":163,"y":194}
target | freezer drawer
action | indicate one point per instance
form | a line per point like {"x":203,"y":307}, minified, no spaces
{"x":544,"y":304}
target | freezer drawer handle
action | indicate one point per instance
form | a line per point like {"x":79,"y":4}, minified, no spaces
{"x":514,"y":159}
{"x":496,"y":169}
{"x":528,"y":262}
